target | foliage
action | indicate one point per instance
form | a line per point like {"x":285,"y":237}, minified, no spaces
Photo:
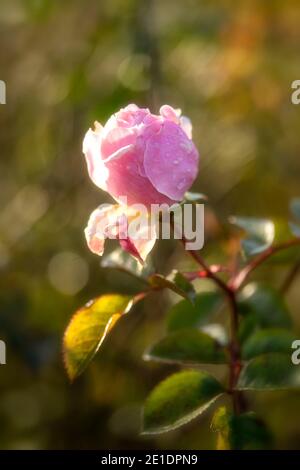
{"x":88,"y":329}
{"x":257,"y":354}
{"x":178,"y":399}
{"x":188,"y":346}
{"x":245,"y":431}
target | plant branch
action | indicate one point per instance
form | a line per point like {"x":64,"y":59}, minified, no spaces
{"x":240,"y":278}
{"x":230,"y":289}
{"x":234,"y":346}
{"x":207,"y":271}
{"x":214,"y":268}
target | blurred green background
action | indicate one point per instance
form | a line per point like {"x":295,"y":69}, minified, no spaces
{"x":229,"y":66}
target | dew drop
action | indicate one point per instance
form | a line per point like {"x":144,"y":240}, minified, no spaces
{"x":181,"y":184}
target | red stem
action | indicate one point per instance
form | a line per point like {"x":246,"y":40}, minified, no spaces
{"x":234,"y":346}
{"x":240,"y":278}
{"x":214,"y":268}
{"x":230,"y":290}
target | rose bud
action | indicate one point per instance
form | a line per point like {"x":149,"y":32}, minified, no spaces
{"x":139,"y":158}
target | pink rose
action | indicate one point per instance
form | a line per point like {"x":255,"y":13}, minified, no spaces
{"x":142,"y":157}
{"x":149,"y":159}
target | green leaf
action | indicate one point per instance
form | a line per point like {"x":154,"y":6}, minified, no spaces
{"x":273,"y":371}
{"x":175,"y":283}
{"x":123,"y":261}
{"x":88,"y":328}
{"x":282,"y":234}
{"x":183,"y":284}
{"x":295,"y":208}
{"x":271,"y":340}
{"x":244,"y":432}
{"x":248,"y":325}
{"x":194,"y":197}
{"x":261,"y":233}
{"x":178,"y":399}
{"x":216,"y":331}
{"x":265,"y":304}
{"x":188,"y":346}
{"x":185,"y":315}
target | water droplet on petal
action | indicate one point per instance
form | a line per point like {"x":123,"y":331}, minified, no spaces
{"x":181,"y":184}
{"x":186,"y":146}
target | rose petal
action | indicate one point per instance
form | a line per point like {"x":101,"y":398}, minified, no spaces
{"x":114,"y":221}
{"x":186,"y":125}
{"x":91,"y":148}
{"x":127,"y":245}
{"x":95,"y":230}
{"x":169,"y":113}
{"x":116,"y":139}
{"x":131,"y":115}
{"x":142,"y":233}
{"x":171,"y":161}
{"x":125,"y":180}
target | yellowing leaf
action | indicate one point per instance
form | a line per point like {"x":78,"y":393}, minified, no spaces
{"x":244,"y":431}
{"x":88,"y":329}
